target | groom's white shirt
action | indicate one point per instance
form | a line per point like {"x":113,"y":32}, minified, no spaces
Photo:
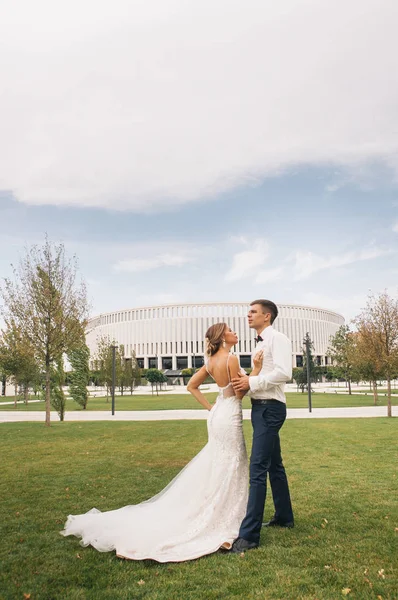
{"x":277,"y":366}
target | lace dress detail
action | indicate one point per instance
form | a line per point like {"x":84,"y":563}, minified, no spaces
{"x":199,"y":511}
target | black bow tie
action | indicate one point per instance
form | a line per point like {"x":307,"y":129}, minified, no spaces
{"x":258,"y":339}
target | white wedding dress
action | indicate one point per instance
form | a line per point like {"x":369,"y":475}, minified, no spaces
{"x":199,"y":512}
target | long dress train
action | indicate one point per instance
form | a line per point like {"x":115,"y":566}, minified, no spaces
{"x":197,"y":513}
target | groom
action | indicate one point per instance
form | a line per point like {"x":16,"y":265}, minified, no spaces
{"x":268,"y":399}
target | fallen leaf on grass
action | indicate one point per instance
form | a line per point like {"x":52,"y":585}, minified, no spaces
{"x":328,"y":567}
{"x":379,"y":597}
{"x":78,"y":556}
{"x":381,"y":574}
{"x":242,"y":554}
{"x":396,"y":529}
{"x":26,"y":596}
{"x":366,"y":571}
{"x":141,"y":582}
{"x":345,"y":591}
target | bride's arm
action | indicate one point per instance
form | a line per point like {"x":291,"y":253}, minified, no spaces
{"x":234,"y":370}
{"x":193,"y":387}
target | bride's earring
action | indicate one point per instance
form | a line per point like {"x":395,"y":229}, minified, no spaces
{"x":223,"y":344}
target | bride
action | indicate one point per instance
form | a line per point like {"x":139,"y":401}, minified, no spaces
{"x":201,"y":509}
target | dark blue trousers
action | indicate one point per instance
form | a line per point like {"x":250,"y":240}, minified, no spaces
{"x":266,"y":458}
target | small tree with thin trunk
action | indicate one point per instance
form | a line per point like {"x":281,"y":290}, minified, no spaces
{"x":341,"y":351}
{"x":103,"y":362}
{"x":154,"y":376}
{"x":17,"y":359}
{"x":379,"y":324}
{"x":365,"y":360}
{"x":57,"y":382}
{"x":79,"y":361}
{"x":136,"y":373}
{"x":300,"y":377}
{"x":47,"y":304}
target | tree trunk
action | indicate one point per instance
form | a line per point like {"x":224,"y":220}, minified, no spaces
{"x":26,"y":393}
{"x":349,"y":387}
{"x":389,"y":396}
{"x":48,"y":392}
{"x":15,"y":394}
{"x":375,"y":394}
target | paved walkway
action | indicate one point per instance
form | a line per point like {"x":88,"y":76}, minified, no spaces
{"x":195,"y":415}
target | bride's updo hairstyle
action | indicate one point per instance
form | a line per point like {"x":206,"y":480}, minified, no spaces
{"x":215,"y":338}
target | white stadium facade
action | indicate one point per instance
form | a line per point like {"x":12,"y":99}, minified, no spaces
{"x":172,"y":337}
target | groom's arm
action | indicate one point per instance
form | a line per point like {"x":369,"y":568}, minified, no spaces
{"x":282,"y":371}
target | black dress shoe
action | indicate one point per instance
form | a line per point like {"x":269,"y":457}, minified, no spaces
{"x":240,"y":545}
{"x":276,"y":523}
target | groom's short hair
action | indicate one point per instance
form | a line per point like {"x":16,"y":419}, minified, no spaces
{"x":268,"y":306}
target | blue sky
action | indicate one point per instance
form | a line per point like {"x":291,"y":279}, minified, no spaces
{"x":191,"y":152}
{"x":289,"y":238}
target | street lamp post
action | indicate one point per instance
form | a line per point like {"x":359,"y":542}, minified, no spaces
{"x":307,"y":348}
{"x":113,"y":376}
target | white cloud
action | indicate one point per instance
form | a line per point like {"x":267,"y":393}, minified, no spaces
{"x":307,"y":263}
{"x":142,"y":105}
{"x":348,"y":305}
{"x":395,"y":227}
{"x":135,"y":265}
{"x":266,"y":276}
{"x":247,"y":263}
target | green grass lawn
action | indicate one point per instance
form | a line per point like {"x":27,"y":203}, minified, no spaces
{"x":344,"y":489}
{"x":177,"y":401}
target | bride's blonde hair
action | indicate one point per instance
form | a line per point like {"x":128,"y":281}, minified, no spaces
{"x":214,"y":338}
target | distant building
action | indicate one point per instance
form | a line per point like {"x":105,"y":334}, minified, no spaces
{"x":172,"y":336}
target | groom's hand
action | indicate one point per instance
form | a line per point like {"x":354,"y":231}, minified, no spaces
{"x":241,"y":383}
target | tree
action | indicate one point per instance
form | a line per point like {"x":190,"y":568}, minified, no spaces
{"x":365,"y":360}
{"x":57,"y":382}
{"x":341,"y":350}
{"x":136,"y":373}
{"x":103,"y":362}
{"x":124,"y":371}
{"x":154,"y":376}
{"x":300,"y":377}
{"x":47,"y":304}
{"x":300,"y":374}
{"x":378,"y":324}
{"x":131,"y":373}
{"x":17,"y":360}
{"x":187,"y":374}
{"x":79,"y":361}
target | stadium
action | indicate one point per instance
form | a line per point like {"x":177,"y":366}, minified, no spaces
{"x":171,"y":337}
